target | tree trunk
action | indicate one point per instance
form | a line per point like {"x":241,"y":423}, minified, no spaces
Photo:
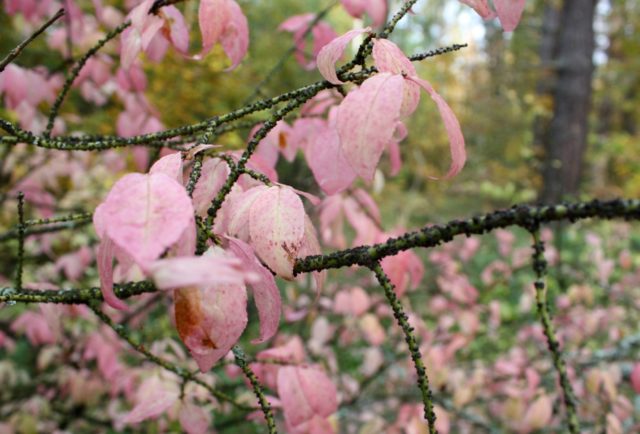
{"x":566,"y":141}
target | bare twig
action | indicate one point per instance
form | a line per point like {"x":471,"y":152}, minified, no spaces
{"x":16,"y":51}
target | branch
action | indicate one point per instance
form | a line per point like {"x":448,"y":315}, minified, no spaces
{"x":16,"y":51}
{"x":540,"y":268}
{"x":182,"y":373}
{"x":265,"y":406}
{"x":73,"y":296}
{"x":410,"y":338}
{"x":73,"y":74}
{"x":97,"y":143}
{"x":431,"y":236}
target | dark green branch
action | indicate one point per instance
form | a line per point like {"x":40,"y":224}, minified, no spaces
{"x":22,"y":45}
{"x":412,"y":342}
{"x":21,"y":228}
{"x":431,"y":236}
{"x":72,"y":296}
{"x":73,"y":74}
{"x":265,"y":406}
{"x":540,"y":268}
{"x":43,"y":226}
{"x":182,"y":373}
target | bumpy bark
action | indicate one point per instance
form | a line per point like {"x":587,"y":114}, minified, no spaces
{"x":566,"y":141}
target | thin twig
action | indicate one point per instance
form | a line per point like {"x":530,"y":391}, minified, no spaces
{"x":540,"y":268}
{"x":16,"y":51}
{"x":410,"y":338}
{"x":265,"y":406}
{"x":182,"y":373}
{"x":21,"y":228}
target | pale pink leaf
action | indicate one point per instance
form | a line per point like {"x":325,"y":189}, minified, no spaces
{"x":355,"y":8}
{"x":214,"y":173}
{"x":235,"y":38}
{"x":305,"y":393}
{"x":377,"y":10}
{"x":210,"y":320}
{"x":322,"y":33}
{"x":332,"y":52}
{"x":538,"y":414}
{"x":239,"y":212}
{"x":131,"y":46}
{"x":265,"y":291}
{"x":635,"y":378}
{"x":171,"y":165}
{"x":178,"y":30}
{"x":194,"y":419}
{"x":388,"y":57}
{"x":354,"y":301}
{"x":276,"y":226}
{"x":192,"y":152}
{"x":296,"y":23}
{"x":509,"y":13}
{"x":327,"y":162}
{"x":292,"y":352}
{"x":481,"y":7}
{"x":213,"y":16}
{"x":205,"y":270}
{"x":366,"y":121}
{"x":154,"y":397}
{"x":452,"y":126}
{"x":311,"y":246}
{"x":104,"y":257}
{"x":146,"y":214}
{"x":369,"y":205}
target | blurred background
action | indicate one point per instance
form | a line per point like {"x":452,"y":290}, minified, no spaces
{"x":549,"y":112}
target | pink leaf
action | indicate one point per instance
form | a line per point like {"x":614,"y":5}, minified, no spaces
{"x":355,"y":8}
{"x":210,"y":320}
{"x":509,"y":13}
{"x":223,"y":21}
{"x":131,"y":47}
{"x":635,"y":378}
{"x":194,"y":419}
{"x":276,"y":226}
{"x":452,"y":126}
{"x":311,"y":246}
{"x":145,"y":214}
{"x":305,"y":393}
{"x":235,"y":38}
{"x":327,"y":161}
{"x":214,"y":173}
{"x":205,"y":270}
{"x":354,"y":301}
{"x":153,"y":398}
{"x":213,"y":16}
{"x":366,"y":121}
{"x":171,"y":165}
{"x":104,"y":258}
{"x":376,"y":9}
{"x":296,"y":23}
{"x":239,"y":214}
{"x":538,"y":414}
{"x":481,"y":7}
{"x":265,"y":291}
{"x":387,"y":57}
{"x":178,"y":31}
{"x":332,"y":52}
{"x":322,"y":34}
{"x":35,"y":326}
